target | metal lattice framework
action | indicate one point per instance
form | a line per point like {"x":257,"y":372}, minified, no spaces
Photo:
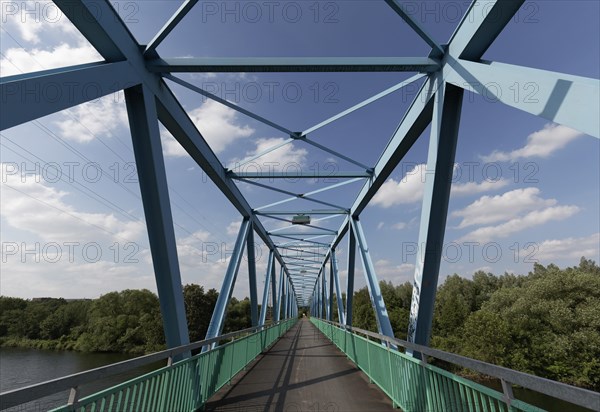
{"x":446,"y":72}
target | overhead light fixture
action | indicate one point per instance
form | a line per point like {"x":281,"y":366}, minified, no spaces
{"x":301,"y":219}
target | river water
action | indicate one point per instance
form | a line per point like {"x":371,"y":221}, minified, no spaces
{"x":24,"y":367}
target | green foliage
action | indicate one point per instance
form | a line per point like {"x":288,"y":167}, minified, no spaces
{"x":199,"y":306}
{"x":546,"y":323}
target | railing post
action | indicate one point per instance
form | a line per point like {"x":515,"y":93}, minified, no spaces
{"x":73,"y":398}
{"x":508,"y":394}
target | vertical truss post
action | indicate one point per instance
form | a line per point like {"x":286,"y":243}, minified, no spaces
{"x":383,"y":320}
{"x":265,"y":299}
{"x":336,"y":277}
{"x":218,"y":317}
{"x":324,"y":292}
{"x":319,"y":297}
{"x":273,"y":291}
{"x":277,"y":309}
{"x":143,"y":122}
{"x":252,"y":276}
{"x":330,"y":292}
{"x":440,"y":164}
{"x":285,"y":298}
{"x":350,"y":282}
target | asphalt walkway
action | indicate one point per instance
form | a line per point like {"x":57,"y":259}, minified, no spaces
{"x":303,"y":371}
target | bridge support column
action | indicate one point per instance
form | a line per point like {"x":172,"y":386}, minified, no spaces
{"x":218,"y":317}
{"x":350,"y":282}
{"x":141,"y":109}
{"x":279,"y":295}
{"x":265,"y":299}
{"x":252,"y":276}
{"x":324,"y":293}
{"x":440,"y":164}
{"x":330,"y":291}
{"x":340,"y":299}
{"x":273,"y":291}
{"x":383,"y":320}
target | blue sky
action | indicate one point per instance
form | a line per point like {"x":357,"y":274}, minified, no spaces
{"x":525,"y":190}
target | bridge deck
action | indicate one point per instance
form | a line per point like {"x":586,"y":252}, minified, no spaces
{"x":303,"y":371}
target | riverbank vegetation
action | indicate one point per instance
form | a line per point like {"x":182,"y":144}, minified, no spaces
{"x":546,"y":323}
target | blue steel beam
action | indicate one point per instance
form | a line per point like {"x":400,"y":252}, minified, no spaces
{"x":100,"y":24}
{"x":330,"y":291}
{"x":272,"y":213}
{"x":227,"y":103}
{"x":298,"y":175}
{"x":152,"y":178}
{"x":169,"y":26}
{"x":324,"y":291}
{"x":29,"y":96}
{"x":313,"y":192}
{"x":438,"y":180}
{"x":480,"y":26}
{"x":573,"y":101}
{"x":350,"y":281}
{"x":102,"y":27}
{"x":363,"y":104}
{"x":273,"y":291}
{"x":217,"y":320}
{"x":381,"y":315}
{"x":292,"y":64}
{"x":396,"y":5}
{"x":335,"y":153}
{"x":338,"y":289}
{"x":277,"y":310}
{"x":265,"y":299}
{"x":250,"y":250}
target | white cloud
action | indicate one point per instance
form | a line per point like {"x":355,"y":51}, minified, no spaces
{"x":31,"y":18}
{"x":551,"y":251}
{"x":531,"y":219}
{"x":42,"y":210}
{"x":380,"y":225}
{"x":491,"y":209}
{"x":410,"y":188}
{"x":17,"y":60}
{"x":99,"y":118}
{"x":470,"y":188}
{"x":407,"y":190}
{"x":542,"y":143}
{"x":233,"y":228}
{"x":170,"y":146}
{"x":399,"y":226}
{"x":218,"y":125}
{"x":396,"y":273}
{"x":275,"y":160}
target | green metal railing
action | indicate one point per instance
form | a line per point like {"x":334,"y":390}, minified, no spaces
{"x":414,"y":385}
{"x":183,"y":385}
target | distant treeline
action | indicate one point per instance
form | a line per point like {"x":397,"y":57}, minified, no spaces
{"x":127,"y":321}
{"x":546,"y":323}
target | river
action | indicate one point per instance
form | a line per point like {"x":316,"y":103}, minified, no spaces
{"x":23,"y":367}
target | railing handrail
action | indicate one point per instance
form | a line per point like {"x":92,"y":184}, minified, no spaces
{"x":29,"y":393}
{"x":578,"y":396}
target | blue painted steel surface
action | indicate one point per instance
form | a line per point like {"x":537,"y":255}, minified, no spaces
{"x":152,"y":178}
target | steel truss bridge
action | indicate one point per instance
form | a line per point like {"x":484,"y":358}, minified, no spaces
{"x":310,"y":278}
